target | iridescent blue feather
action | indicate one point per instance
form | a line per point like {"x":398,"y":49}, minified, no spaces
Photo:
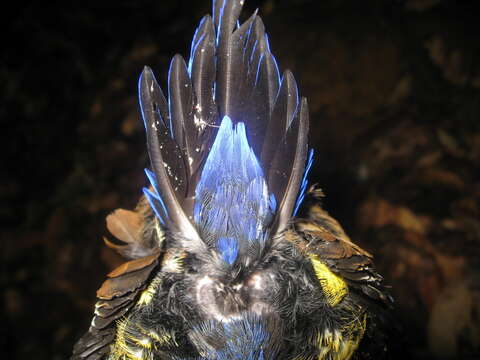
{"x":228,"y":249}
{"x":247,"y":338}
{"x":231,"y":198}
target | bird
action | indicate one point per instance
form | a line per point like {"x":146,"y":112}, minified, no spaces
{"x":229,"y":252}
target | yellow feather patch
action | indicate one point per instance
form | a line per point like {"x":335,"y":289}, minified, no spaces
{"x":340,"y":345}
{"x":165,"y":338}
{"x":121,"y":350}
{"x":332,"y":285}
{"x":134,"y":342}
{"x":173,"y":260}
{"x":147,"y":295}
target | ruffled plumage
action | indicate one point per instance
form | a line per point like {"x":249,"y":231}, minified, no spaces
{"x":220,"y":266}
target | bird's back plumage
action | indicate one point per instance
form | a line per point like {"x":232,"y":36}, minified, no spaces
{"x":220,"y":267}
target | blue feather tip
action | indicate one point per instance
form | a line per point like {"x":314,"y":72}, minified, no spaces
{"x":154,"y":199}
{"x":303,"y":187}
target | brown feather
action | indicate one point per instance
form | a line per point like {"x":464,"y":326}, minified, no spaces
{"x":123,"y":250}
{"x":321,"y":235}
{"x":125,"y":225}
{"x":328,"y":224}
{"x":100,"y":322}
{"x":126,"y":282}
{"x":133,"y":265}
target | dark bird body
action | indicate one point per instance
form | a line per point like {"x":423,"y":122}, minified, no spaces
{"x":221,"y":266}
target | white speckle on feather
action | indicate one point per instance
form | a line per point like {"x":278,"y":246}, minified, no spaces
{"x":256,"y":282}
{"x":205,"y":281}
{"x":145,"y":342}
{"x":138,"y":354}
{"x":237,"y":287}
{"x":197,"y":120}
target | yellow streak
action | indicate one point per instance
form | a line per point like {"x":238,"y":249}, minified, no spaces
{"x":334,"y":288}
{"x":147,"y":295}
{"x":133,"y":342}
{"x":173,"y":261}
{"x":337,"y":346}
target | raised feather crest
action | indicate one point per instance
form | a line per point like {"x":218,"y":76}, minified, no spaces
{"x":228,"y":112}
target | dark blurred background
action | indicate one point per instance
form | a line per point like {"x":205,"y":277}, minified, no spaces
{"x":394,"y":93}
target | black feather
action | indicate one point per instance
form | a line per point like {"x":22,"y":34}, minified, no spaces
{"x":166,"y":157}
{"x":180,"y":100}
{"x":205,"y":115}
{"x":288,"y":164}
{"x":229,"y":60}
{"x":93,"y":345}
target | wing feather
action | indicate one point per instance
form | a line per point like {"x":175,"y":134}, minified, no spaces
{"x":166,"y":158}
{"x":202,"y":69}
{"x":116,"y":297}
{"x":229,"y":59}
{"x":180,"y":100}
{"x":321,"y":235}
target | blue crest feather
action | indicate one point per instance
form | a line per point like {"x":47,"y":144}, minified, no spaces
{"x":231,"y":199}
{"x":246,"y":338}
{"x":228,"y":249}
